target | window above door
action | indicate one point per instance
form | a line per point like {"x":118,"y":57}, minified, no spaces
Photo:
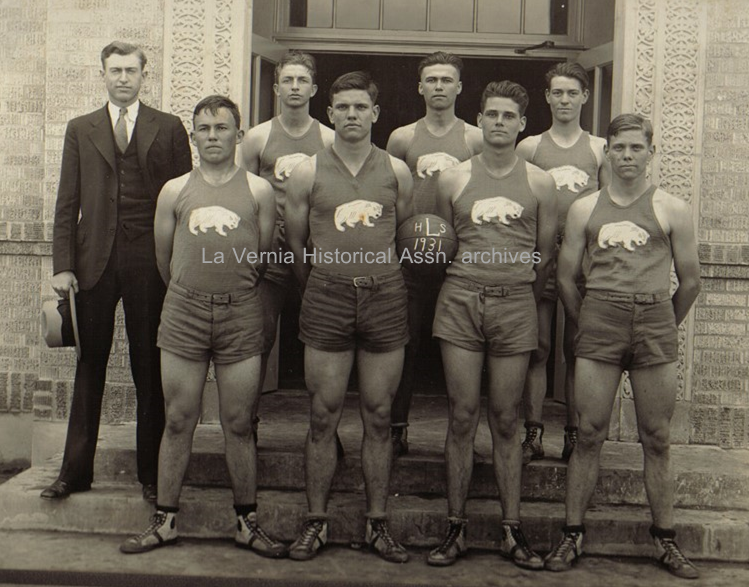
{"x":509,"y":23}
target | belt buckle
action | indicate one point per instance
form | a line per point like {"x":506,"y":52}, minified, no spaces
{"x":221,"y":298}
{"x":362,"y":281}
{"x":644,"y":299}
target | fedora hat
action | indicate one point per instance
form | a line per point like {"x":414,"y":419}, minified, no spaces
{"x":60,"y":323}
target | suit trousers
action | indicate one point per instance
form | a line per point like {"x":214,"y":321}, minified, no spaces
{"x":131,"y":275}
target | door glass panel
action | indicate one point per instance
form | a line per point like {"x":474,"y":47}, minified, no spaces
{"x":405,"y":16}
{"x":311,"y":13}
{"x":451,"y":15}
{"x":357,"y":14}
{"x":604,"y":113}
{"x":499,"y":17}
{"x":262,"y":103}
{"x":546,"y":17}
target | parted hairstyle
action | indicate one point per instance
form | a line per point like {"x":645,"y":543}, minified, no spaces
{"x":297,"y":58}
{"x":213,"y":103}
{"x":441,"y":58}
{"x":123,"y":48}
{"x":630,"y":121}
{"x":354,"y":80}
{"x":571,"y":70}
{"x":506,"y":89}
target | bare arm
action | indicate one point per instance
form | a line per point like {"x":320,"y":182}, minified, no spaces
{"x":252,"y":146}
{"x":686,"y":259}
{"x":404,"y":207}
{"x":526,"y":149}
{"x":544,"y":188}
{"x":449,"y":186}
{"x":474,"y":139}
{"x":604,"y":167}
{"x":399,"y":141}
{"x":266,"y":216}
{"x":327,"y":134}
{"x":165,"y":223}
{"x":297,"y":215}
{"x":571,"y":255}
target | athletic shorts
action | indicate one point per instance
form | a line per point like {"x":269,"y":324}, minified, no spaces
{"x":199,"y":326}
{"x":500,"y":320}
{"x":340,"y":313}
{"x":629,"y":330}
{"x":551,"y":291}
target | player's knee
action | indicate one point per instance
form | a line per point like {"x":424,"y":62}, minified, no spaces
{"x":179,"y":421}
{"x":236,"y":423}
{"x":377,"y":417}
{"x":655,"y":440}
{"x":591,"y":434}
{"x":505,"y":423}
{"x":463,"y":420}
{"x":322,"y":421}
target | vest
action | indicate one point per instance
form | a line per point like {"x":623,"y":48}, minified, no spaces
{"x":627,"y":248}
{"x":427,"y":150}
{"x":574,"y":169}
{"x":282,"y":153}
{"x":217,"y":239}
{"x":352,"y":219}
{"x":136,"y":207}
{"x":495,"y":220}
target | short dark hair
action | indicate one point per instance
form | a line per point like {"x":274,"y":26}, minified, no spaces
{"x":506,"y":89}
{"x":213,"y":103}
{"x":629,"y":121}
{"x":354,"y":80}
{"x":123,"y":48}
{"x":297,"y":58}
{"x":571,"y":70}
{"x":441,"y":58}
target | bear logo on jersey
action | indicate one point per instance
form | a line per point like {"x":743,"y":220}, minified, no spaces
{"x":623,"y":234}
{"x":500,"y":208}
{"x":570,"y":177}
{"x":429,"y":164}
{"x":216,"y":217}
{"x":357,"y":211}
{"x":286,"y":164}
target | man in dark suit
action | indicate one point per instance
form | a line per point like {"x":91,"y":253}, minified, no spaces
{"x":115,"y":161}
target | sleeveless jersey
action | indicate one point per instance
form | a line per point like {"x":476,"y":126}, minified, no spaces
{"x":216,"y":229}
{"x":353,"y":216}
{"x":627,"y":248}
{"x":495,"y":220}
{"x":282,"y":153}
{"x":428,"y":152}
{"x":574,"y":169}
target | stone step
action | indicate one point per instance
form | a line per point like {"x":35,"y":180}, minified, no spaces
{"x":117,"y":508}
{"x":706,"y":477}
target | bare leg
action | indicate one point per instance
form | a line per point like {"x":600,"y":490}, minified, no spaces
{"x":379,"y":374}
{"x":507,"y":375}
{"x":570,"y":330}
{"x":463,"y":378}
{"x":654,"y":390}
{"x":595,"y":387}
{"x":238,"y":390}
{"x":535,"y":381}
{"x":327,"y":376}
{"x":183,"y":381}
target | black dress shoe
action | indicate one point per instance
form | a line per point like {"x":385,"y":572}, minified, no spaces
{"x":149,"y":493}
{"x":60,"y":489}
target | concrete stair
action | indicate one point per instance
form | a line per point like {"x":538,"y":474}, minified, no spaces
{"x":712,"y":489}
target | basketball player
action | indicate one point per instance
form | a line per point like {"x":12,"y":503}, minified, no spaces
{"x":486,"y":310}
{"x":346,"y":202}
{"x":631,"y":233}
{"x":576,"y":161}
{"x":272,"y":150}
{"x":211,"y":227}
{"x":430,"y":145}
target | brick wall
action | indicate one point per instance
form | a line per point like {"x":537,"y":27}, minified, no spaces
{"x":720,"y":409}
{"x":22,"y":231}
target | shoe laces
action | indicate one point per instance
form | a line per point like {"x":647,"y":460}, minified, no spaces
{"x":256,"y":529}
{"x":396,"y":434}
{"x":157,"y":521}
{"x":311,"y":531}
{"x":382,"y":531}
{"x":572,"y":436}
{"x":453,"y":533}
{"x":673,"y":551}
{"x":569,"y":542}
{"x":530,"y":436}
{"x":520,"y":540}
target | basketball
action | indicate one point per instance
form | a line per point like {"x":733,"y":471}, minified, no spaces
{"x":426,"y":243}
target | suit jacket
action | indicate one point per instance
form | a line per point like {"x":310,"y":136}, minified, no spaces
{"x":86,"y":212}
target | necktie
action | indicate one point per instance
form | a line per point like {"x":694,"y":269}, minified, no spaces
{"x":120,"y":130}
